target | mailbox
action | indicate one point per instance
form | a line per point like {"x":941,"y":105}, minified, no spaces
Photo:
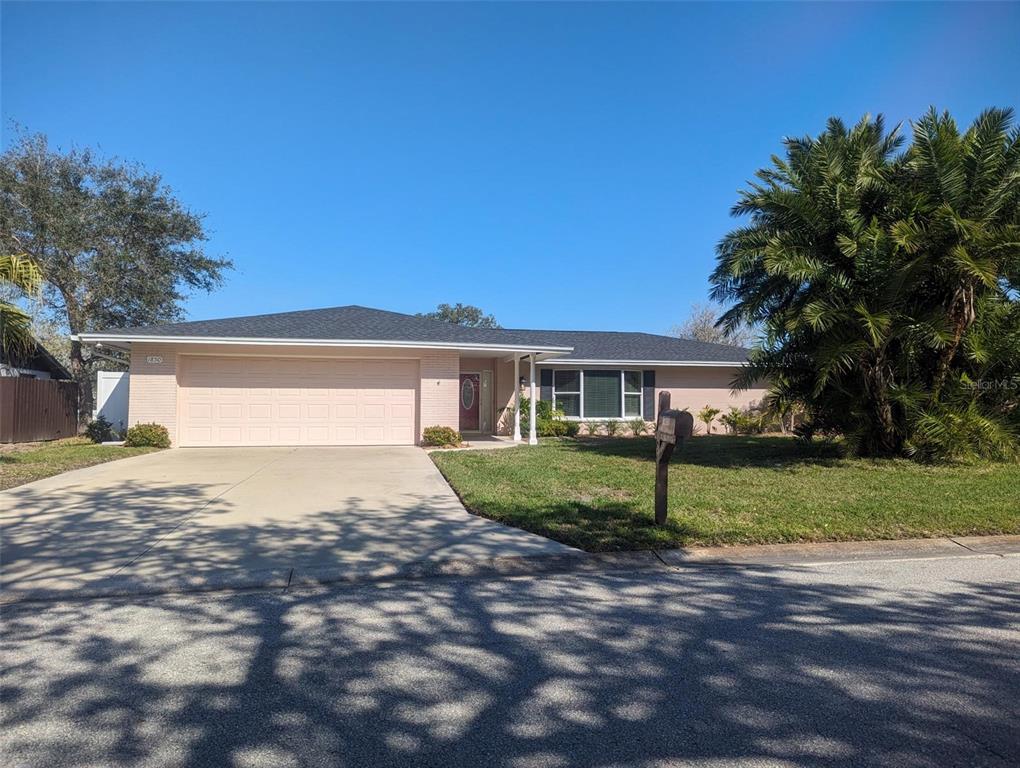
{"x":665,"y":430}
{"x":674,"y":426}
{"x":671,"y":429}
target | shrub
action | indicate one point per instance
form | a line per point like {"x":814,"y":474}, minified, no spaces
{"x":743,"y":422}
{"x":99,"y":430}
{"x":147,"y":435}
{"x":551,"y":428}
{"x":593,"y":427}
{"x":638,"y":427}
{"x":612,"y":427}
{"x":573,"y":428}
{"x":442,"y":437}
{"x":548,"y":423}
{"x":707,"y":415}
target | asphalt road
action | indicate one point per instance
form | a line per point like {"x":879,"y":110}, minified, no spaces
{"x":905,"y":663}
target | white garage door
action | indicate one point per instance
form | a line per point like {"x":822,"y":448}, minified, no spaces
{"x":293,"y":401}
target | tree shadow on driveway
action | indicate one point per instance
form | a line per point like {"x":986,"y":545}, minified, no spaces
{"x":151,"y":537}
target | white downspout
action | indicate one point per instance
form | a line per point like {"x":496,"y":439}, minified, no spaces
{"x":532,"y":431}
{"x":517,"y":398}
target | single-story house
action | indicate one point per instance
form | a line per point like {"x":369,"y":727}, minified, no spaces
{"x":359,"y":376}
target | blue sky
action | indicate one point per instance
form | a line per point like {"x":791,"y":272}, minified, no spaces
{"x":566,"y":166}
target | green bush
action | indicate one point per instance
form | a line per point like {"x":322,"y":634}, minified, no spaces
{"x":612,"y":427}
{"x":548,"y":423}
{"x":443,"y":437}
{"x":543,"y":413}
{"x":743,"y":422}
{"x":147,"y":435}
{"x":551,"y":428}
{"x":593,"y":427}
{"x":637,"y":427}
{"x":99,"y":430}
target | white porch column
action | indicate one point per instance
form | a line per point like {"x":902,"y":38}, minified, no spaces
{"x":532,"y":432}
{"x":517,"y":398}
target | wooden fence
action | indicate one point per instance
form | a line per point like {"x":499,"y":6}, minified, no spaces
{"x":37,"y":409}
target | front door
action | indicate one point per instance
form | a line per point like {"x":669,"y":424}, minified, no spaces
{"x":470,"y":390}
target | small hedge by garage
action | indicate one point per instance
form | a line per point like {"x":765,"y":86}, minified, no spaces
{"x":441,"y":437}
{"x":147,"y":435}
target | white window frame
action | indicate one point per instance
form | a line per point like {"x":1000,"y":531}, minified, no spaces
{"x":623,"y":394}
{"x":579,"y":392}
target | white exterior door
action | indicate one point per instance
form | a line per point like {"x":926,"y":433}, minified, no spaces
{"x":296,"y":401}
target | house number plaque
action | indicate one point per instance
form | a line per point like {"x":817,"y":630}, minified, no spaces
{"x":154,"y":359}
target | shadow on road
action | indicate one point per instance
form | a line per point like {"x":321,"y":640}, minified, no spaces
{"x":710,"y":666}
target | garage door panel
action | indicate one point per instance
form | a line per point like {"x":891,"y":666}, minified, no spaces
{"x":403,"y":412}
{"x":374,"y":411}
{"x":229,"y":410}
{"x":260,"y":411}
{"x":318,"y":411}
{"x":293,"y":401}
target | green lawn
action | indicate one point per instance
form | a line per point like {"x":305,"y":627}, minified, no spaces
{"x":19,"y":466}
{"x":598,"y":494}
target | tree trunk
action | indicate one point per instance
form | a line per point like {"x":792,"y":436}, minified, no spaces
{"x":961,"y":314}
{"x":80,"y":371}
{"x":884,"y":440}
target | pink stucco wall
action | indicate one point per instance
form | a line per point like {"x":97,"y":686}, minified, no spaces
{"x":694,"y":388}
{"x":440,"y":380}
{"x":152,"y":396}
{"x":691,"y":387}
{"x":154,"y":385}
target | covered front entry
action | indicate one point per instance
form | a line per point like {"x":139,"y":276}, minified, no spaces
{"x":296,"y":401}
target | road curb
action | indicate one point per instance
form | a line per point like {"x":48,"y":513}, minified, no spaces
{"x":284,"y":580}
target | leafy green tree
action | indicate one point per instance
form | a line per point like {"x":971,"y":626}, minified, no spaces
{"x":886,"y":283}
{"x":115,"y":246}
{"x":461,"y":314}
{"x":18,"y":275}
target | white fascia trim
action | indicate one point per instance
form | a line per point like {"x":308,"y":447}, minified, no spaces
{"x":652,"y":363}
{"x":92,"y":338}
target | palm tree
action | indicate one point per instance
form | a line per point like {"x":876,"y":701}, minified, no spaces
{"x":23,"y":275}
{"x":867,"y":270}
{"x":707,"y":415}
{"x":967,"y":189}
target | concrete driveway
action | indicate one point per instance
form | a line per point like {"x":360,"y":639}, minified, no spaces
{"x":241,"y":517}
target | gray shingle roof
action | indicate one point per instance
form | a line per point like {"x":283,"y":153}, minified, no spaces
{"x":623,"y":345}
{"x":364,"y":324}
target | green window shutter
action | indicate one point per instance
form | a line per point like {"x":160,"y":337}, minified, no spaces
{"x":602,"y":394}
{"x":545,"y":379}
{"x":648,"y":384}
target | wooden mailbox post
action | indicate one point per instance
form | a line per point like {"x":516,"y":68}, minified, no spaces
{"x":671,"y":429}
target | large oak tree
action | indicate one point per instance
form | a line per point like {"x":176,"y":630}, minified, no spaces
{"x":115,"y":245}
